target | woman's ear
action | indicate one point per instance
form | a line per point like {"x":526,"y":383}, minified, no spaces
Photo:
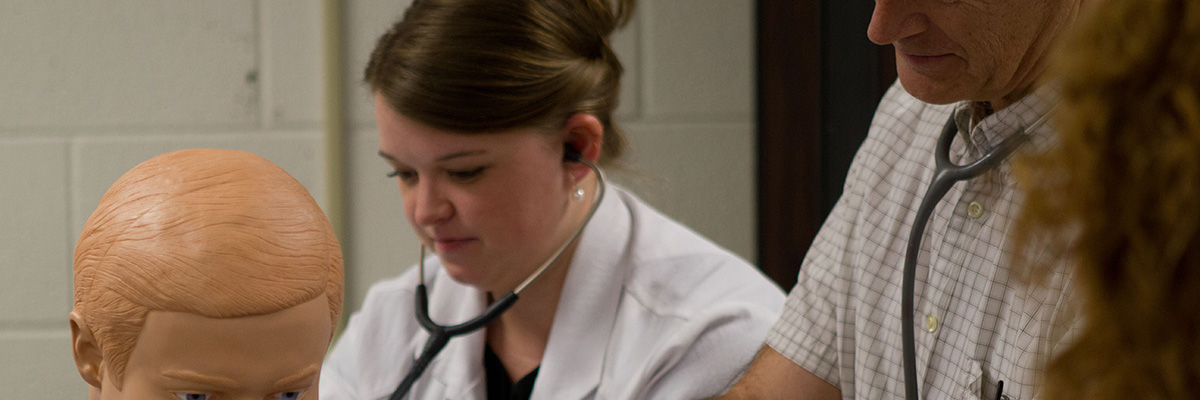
{"x":88,"y":358}
{"x":585,"y":134}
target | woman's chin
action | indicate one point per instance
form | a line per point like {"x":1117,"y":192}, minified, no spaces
{"x":469,"y":276}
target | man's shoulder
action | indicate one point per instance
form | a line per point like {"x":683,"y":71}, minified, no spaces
{"x":902,"y":126}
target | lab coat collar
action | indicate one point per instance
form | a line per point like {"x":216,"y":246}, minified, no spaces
{"x":460,"y":366}
{"x":583,"y":322}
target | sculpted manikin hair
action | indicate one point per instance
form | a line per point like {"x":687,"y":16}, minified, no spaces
{"x":215,"y":233}
{"x":492,"y":65}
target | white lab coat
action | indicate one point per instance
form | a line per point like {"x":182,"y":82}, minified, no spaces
{"x":649,"y":310}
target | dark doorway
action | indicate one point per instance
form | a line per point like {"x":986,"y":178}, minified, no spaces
{"x":819,"y":80}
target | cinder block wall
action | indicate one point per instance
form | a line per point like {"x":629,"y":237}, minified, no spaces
{"x":90,"y":89}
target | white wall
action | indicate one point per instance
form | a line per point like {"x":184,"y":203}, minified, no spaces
{"x":90,"y":89}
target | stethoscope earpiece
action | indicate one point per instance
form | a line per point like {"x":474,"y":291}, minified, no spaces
{"x":571,"y":154}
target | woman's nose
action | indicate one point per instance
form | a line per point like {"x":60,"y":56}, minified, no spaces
{"x":430,"y":205}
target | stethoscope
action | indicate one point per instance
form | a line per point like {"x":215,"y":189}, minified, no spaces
{"x":440,"y":335}
{"x":944,"y":177}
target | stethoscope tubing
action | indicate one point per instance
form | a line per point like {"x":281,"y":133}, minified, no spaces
{"x":945,"y":176}
{"x":440,"y":335}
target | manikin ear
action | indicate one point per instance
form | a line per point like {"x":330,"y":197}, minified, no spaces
{"x":88,"y":359}
{"x":585,"y":134}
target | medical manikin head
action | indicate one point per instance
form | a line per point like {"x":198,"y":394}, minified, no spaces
{"x":205,"y":274}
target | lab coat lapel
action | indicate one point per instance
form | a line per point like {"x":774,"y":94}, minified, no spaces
{"x":583,"y":322}
{"x":460,"y":366}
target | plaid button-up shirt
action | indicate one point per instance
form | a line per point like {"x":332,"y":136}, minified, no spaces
{"x":976,"y":323}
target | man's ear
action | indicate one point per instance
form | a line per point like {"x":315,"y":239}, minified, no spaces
{"x":88,"y":359}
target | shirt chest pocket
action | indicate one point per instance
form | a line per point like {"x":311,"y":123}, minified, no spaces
{"x":1025,"y":337}
{"x":980,"y":386}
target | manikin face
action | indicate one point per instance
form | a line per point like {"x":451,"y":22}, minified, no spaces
{"x":490,"y":205}
{"x":182,"y":356}
{"x":982,"y":50}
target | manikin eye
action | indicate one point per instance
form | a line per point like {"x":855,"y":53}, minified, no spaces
{"x":192,"y":396}
{"x":289,"y":395}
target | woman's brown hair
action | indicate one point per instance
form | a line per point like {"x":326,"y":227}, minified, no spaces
{"x":492,"y":65}
{"x":1120,"y":198}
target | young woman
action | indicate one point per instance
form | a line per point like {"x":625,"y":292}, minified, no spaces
{"x":491,"y":113}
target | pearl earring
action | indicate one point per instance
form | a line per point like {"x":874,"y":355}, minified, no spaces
{"x":577,"y":195}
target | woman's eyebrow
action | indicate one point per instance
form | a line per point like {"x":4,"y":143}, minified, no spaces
{"x":442,"y":158}
{"x":461,"y":154}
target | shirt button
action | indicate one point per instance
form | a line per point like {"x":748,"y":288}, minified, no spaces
{"x":931,"y":323}
{"x":975,"y":210}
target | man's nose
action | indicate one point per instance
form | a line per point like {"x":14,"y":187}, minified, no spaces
{"x":893,"y":20}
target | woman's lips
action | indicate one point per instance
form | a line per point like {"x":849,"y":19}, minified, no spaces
{"x":451,"y":245}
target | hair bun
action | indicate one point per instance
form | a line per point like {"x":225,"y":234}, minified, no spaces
{"x":616,"y":13}
{"x":622,"y":12}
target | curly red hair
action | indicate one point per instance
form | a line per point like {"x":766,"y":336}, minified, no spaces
{"x":1120,"y":198}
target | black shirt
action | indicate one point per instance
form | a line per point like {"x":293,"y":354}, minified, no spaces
{"x":499,"y":387}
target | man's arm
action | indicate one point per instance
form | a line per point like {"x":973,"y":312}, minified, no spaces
{"x":774,"y":377}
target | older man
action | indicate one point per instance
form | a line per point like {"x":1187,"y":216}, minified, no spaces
{"x":967,"y":65}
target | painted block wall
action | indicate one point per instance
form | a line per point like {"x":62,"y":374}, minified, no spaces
{"x":90,"y":89}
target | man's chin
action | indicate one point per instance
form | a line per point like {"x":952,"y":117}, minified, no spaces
{"x":930,"y":90}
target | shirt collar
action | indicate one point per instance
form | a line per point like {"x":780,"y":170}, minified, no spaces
{"x":1028,"y":113}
